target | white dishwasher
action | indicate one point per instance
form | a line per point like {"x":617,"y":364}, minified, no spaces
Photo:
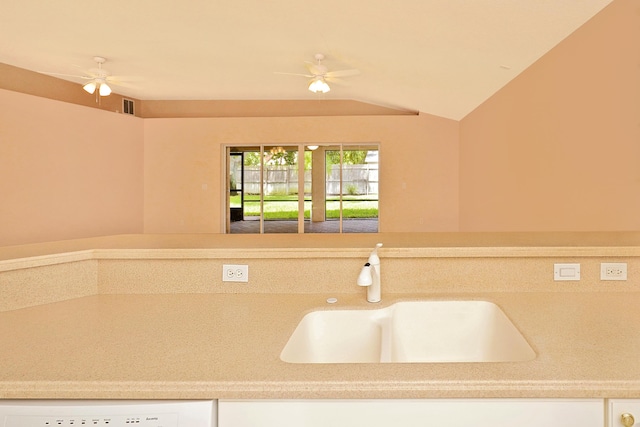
{"x":108,"y":413}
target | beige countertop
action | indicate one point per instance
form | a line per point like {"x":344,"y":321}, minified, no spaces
{"x":123,"y":325}
{"x":228,"y":346}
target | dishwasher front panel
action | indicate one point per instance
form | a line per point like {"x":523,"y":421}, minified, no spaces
{"x":108,"y":413}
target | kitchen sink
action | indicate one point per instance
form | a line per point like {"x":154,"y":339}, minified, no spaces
{"x":409,"y":332}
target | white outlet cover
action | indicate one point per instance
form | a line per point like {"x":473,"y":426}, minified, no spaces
{"x":613,"y":271}
{"x":235,"y":273}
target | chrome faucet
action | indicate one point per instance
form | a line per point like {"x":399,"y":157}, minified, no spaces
{"x":370,"y":276}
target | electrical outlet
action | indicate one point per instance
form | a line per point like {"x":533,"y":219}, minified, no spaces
{"x":613,"y":271}
{"x":235,"y":273}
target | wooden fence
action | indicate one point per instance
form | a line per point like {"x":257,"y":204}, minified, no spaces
{"x":356,"y":180}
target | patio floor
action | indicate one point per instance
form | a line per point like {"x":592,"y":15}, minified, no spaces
{"x":348,"y":226}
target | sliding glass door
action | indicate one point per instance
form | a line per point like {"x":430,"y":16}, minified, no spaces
{"x":327,"y":188}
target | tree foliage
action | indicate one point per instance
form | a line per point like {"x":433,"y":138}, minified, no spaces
{"x":349,"y":157}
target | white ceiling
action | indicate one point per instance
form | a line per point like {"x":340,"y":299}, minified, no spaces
{"x":443,"y":57}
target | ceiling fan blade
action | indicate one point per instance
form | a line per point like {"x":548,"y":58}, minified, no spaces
{"x":124,"y":79}
{"x":342,"y":73}
{"x":295,"y":74}
{"x":316,"y":69}
{"x":64,"y":75}
{"x":80,"y":69}
{"x":313,"y":68}
{"x":337,"y":81}
{"x":116,"y":82}
{"x":97,"y":72}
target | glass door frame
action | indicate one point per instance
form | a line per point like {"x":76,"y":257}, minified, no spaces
{"x":236,"y":190}
{"x":226,"y":153}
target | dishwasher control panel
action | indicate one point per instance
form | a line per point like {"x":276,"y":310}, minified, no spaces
{"x":107,"y":413}
{"x":150,"y":420}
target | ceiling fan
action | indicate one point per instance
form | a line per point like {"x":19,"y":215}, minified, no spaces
{"x":98,"y":78}
{"x":320,"y":75}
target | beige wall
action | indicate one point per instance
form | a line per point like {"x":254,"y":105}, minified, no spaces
{"x":559,"y":147}
{"x":418,"y":170}
{"x":67,"y":171}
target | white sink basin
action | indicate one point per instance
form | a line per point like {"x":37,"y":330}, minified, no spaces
{"x":409,"y":332}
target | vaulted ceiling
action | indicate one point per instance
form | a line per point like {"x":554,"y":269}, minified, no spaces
{"x":443,"y":57}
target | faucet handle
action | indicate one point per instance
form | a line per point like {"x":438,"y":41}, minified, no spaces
{"x":364,"y":278}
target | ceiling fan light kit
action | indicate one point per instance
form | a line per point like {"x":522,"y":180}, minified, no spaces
{"x":90,"y":87}
{"x":100,"y":84}
{"x":100,"y":80}
{"x":318,"y":85}
{"x":97,"y":81}
{"x":320,"y":75}
{"x":104,"y":90}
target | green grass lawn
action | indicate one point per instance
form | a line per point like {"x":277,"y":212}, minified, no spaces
{"x":286,"y":207}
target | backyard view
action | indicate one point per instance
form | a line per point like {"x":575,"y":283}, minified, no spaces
{"x":286,"y":207}
{"x":348,"y":189}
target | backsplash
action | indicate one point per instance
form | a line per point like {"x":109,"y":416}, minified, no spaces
{"x":331,"y":274}
{"x":49,"y":278}
{"x":25,"y":287}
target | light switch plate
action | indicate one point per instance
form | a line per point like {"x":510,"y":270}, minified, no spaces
{"x":566,"y":272}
